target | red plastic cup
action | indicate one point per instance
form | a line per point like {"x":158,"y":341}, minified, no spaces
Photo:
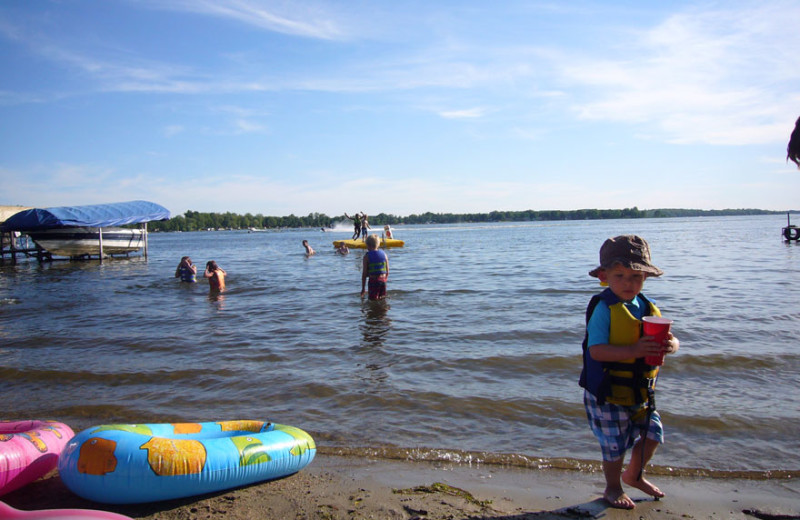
{"x":657,"y":327}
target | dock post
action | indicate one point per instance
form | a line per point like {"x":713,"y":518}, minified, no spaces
{"x":13,"y":247}
{"x":3,"y":247}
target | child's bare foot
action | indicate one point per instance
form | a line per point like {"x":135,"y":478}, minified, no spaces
{"x":643,"y":485}
{"x":618,"y":499}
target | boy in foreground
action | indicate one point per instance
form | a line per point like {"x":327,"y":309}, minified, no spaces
{"x":619,"y":387}
{"x":375,"y":267}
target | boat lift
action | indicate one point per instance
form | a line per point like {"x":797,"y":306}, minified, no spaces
{"x":791,"y":232}
{"x":96,"y":217}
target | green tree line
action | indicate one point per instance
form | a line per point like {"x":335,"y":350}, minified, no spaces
{"x":197,"y":221}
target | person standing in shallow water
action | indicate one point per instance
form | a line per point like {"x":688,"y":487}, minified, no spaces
{"x":619,"y":387}
{"x":216,"y":276}
{"x":375,"y":268}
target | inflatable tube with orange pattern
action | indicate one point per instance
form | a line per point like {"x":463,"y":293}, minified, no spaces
{"x":135,"y":463}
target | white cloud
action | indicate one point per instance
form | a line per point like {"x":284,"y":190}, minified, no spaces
{"x":307,"y":20}
{"x":468,"y":113}
{"x":716,"y":77}
{"x":173,"y":130}
{"x":244,"y":126}
{"x":64,"y":184}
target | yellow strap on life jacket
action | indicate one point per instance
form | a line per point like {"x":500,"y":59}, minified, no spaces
{"x":625,"y":330}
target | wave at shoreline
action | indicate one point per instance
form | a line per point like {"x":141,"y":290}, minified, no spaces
{"x":478,"y":458}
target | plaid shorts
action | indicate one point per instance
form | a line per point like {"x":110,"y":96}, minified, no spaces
{"x":617,"y":429}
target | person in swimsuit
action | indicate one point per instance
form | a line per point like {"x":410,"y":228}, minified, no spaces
{"x":216,"y":276}
{"x":364,"y":226}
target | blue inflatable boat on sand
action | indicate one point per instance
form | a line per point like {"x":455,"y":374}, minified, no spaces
{"x":135,"y":463}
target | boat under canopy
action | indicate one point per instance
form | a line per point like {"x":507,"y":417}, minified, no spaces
{"x":88,"y":230}
{"x":96,"y":216}
{"x":83,"y":241}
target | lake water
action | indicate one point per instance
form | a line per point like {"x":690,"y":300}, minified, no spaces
{"x":474,"y":356}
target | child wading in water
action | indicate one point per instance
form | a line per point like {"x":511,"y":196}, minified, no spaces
{"x":374,"y":266}
{"x":619,"y":387}
{"x":215,"y":275}
{"x":186,"y":270}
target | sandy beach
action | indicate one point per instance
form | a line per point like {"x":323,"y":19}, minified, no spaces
{"x":335,"y":487}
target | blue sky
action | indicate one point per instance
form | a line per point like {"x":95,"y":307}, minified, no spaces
{"x":293,"y":107}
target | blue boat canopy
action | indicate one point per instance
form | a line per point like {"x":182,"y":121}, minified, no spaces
{"x":96,"y":215}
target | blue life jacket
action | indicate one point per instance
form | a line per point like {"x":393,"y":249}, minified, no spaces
{"x":187,"y":275}
{"x":377,"y":261}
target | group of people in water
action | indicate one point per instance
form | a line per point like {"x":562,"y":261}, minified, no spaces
{"x":187,"y":272}
{"x":374,"y":270}
{"x":342,"y":249}
{"x":375,"y":263}
{"x":374,"y":266}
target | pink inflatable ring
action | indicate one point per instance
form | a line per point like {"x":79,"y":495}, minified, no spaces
{"x":29,"y":450}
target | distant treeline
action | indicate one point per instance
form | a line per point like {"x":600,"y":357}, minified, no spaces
{"x":195,"y":220}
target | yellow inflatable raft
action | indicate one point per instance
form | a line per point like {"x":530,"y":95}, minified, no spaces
{"x":359,"y":244}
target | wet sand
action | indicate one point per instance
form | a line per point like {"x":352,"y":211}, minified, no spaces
{"x":334,"y":487}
